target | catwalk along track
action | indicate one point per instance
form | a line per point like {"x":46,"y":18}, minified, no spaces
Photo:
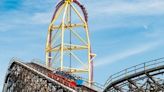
{"x":33,"y":77}
{"x":145,"y":77}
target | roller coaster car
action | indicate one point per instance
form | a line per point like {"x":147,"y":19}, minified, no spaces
{"x":79,"y":82}
{"x":65,"y":78}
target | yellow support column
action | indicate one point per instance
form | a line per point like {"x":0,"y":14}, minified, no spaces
{"x":58,"y":50}
{"x":62,"y":36}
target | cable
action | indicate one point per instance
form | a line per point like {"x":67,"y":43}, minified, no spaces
{"x":70,"y":41}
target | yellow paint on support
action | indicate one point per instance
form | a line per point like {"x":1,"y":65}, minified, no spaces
{"x":68,"y":26}
{"x":65,"y":48}
{"x":48,"y":47}
{"x":78,"y":36}
{"x":57,"y":15}
{"x":77,"y":58}
{"x":89,"y":58}
{"x":82,"y":19}
{"x":62,"y":36}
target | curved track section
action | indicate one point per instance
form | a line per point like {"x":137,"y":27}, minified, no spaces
{"x":23,"y":78}
{"x":77,"y":3}
{"x":145,"y":77}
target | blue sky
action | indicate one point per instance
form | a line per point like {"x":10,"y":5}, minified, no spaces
{"x":123,"y":32}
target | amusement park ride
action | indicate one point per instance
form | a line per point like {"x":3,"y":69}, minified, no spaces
{"x":68,"y":44}
{"x":69,"y":58}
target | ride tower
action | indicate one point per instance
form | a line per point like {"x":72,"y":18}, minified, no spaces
{"x":68,"y":45}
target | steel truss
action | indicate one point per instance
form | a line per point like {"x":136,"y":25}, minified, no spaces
{"x":68,"y":40}
{"x":146,"y":77}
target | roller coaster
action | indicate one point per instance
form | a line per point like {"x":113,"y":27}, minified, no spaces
{"x":24,"y":78}
{"x":145,"y":77}
{"x":59,"y":73}
{"x":33,"y":77}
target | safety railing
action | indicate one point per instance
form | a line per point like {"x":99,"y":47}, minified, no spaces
{"x":95,"y":86}
{"x":135,"y":69}
{"x":15,"y":59}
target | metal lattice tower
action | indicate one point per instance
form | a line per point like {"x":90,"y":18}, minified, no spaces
{"x":68,"y":44}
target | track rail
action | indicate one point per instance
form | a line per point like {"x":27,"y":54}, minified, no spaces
{"x":32,"y":77}
{"x":145,"y":77}
{"x":37,"y":65}
{"x":23,"y":78}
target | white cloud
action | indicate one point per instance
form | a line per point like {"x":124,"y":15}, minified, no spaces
{"x":41,"y":18}
{"x":20,"y":20}
{"x":140,"y":7}
{"x":125,"y":54}
{"x":4,"y":27}
{"x":124,"y":14}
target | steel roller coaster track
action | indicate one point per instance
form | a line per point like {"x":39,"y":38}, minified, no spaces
{"x":145,"y":77}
